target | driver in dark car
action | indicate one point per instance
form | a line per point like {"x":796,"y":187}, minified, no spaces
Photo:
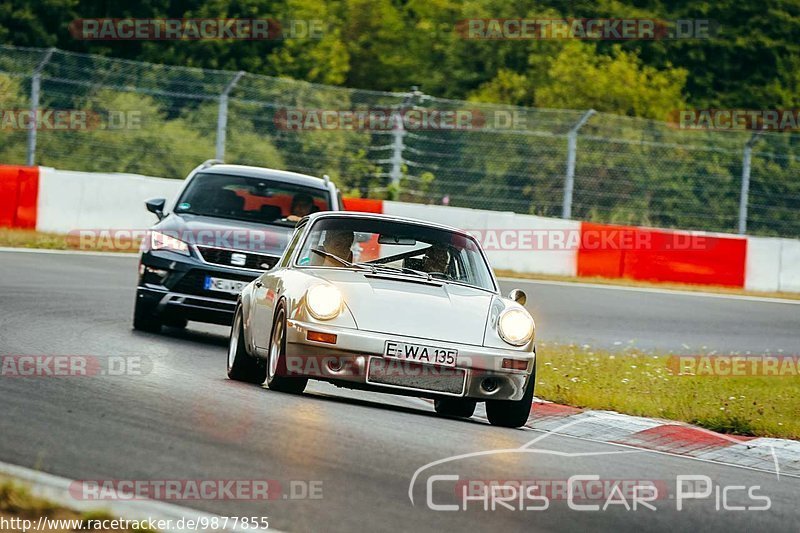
{"x":302,"y":205}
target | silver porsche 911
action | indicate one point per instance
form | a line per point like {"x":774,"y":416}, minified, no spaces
{"x":392,"y":305}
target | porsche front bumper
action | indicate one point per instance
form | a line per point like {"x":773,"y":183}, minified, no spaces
{"x":357,"y":359}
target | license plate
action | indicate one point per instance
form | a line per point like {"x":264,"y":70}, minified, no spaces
{"x":230,"y":286}
{"x":421,"y":353}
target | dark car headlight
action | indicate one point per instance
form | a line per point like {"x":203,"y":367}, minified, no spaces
{"x":162,"y":241}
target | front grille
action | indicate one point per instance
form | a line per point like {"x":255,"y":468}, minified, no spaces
{"x":416,"y":376}
{"x":193,"y":282}
{"x":222,"y":256}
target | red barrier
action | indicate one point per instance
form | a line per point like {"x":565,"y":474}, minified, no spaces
{"x":19,"y":192}
{"x":661,"y":255}
{"x":365,"y":205}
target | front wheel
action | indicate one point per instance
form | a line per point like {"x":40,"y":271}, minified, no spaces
{"x":241,"y":365}
{"x":277,"y":375}
{"x":144,"y":320}
{"x":512,"y":413}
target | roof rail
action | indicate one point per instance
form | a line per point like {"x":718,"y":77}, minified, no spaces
{"x":205,"y":164}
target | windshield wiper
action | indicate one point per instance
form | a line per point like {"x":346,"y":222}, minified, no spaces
{"x":404,"y":270}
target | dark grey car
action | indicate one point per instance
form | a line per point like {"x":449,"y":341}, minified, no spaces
{"x":227,"y":225}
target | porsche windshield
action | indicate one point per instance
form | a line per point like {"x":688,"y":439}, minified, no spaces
{"x":395,"y":247}
{"x":251,"y":199}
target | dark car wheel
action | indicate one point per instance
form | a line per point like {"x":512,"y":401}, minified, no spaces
{"x":277,"y":376}
{"x":241,"y":365}
{"x":457,"y":407}
{"x":175,"y":322}
{"x":143,"y":320}
{"x":510,"y":413}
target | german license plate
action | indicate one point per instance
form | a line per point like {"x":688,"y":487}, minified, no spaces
{"x":230,"y":286}
{"x":421,"y":353}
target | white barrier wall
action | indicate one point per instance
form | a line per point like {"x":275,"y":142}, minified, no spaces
{"x":71,"y":200}
{"x":790,"y":266}
{"x":504,"y":235}
{"x":773,"y":264}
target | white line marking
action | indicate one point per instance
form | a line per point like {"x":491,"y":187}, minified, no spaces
{"x":676,"y":292}
{"x":127,"y":255}
{"x":56,"y":490}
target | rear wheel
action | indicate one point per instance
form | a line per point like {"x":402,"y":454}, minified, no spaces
{"x":457,"y":407}
{"x":277,"y":375}
{"x":241,"y":365}
{"x":511,"y":413}
{"x":143,"y":319}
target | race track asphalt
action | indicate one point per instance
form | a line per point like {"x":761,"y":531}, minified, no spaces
{"x":179,"y":418}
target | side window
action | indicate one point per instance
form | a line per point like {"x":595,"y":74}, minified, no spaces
{"x":292,"y":245}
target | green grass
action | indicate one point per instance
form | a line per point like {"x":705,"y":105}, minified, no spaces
{"x":17,"y":501}
{"x":22,"y":238}
{"x":643,"y":384}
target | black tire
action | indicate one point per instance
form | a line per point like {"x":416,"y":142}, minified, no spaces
{"x":143,"y":320}
{"x":176,"y":322}
{"x":512,"y":413}
{"x":241,"y":365}
{"x":456,"y":407}
{"x":277,"y":376}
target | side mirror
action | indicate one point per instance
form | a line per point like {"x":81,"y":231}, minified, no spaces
{"x":156,"y":206}
{"x":518,"y":295}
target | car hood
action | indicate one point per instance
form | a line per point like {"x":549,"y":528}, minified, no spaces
{"x":227,"y":233}
{"x":382,"y":304}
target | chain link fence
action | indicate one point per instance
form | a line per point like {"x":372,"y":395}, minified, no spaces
{"x":163,"y":120}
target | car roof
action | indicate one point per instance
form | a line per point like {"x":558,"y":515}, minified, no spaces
{"x":267,"y":173}
{"x":380,"y":216}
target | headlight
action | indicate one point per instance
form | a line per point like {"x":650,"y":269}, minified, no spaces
{"x":324,"y":301}
{"x":162,"y":241}
{"x":515,"y":326}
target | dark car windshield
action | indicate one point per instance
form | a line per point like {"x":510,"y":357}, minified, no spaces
{"x":250,"y":199}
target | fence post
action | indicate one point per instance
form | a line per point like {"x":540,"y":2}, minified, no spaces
{"x":398,"y":132}
{"x":222,"y":115}
{"x":745,"y":194}
{"x":36,"y":83}
{"x":572,"y":148}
